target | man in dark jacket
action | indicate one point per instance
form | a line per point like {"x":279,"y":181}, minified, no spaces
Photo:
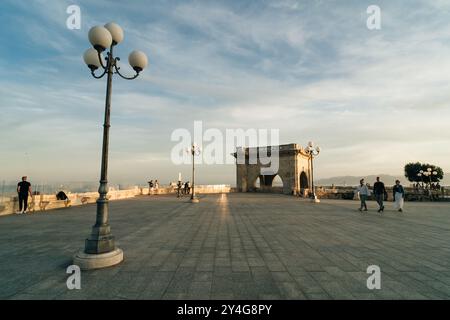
{"x":23,"y":190}
{"x":187,"y":188}
{"x":379,"y":190}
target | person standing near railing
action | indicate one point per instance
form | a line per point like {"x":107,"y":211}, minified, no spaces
{"x":179,"y":185}
{"x":23,"y":190}
{"x":186,"y":187}
{"x":156,"y":185}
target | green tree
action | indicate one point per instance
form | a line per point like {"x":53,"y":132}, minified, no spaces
{"x":411,"y":171}
{"x":413,"y":168}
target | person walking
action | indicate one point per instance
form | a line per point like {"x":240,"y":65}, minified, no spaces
{"x":150,"y":187}
{"x":364,"y":193}
{"x":179,"y":185}
{"x":379,"y":191}
{"x":23,"y":190}
{"x":399,"y":196}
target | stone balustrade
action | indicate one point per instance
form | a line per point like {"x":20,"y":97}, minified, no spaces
{"x":45,"y":202}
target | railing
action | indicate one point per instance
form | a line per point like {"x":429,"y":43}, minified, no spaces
{"x":46,"y":202}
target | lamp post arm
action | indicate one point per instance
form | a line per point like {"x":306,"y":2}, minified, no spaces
{"x":100,"y":76}
{"x":116,"y":68}
{"x":101,"y":60}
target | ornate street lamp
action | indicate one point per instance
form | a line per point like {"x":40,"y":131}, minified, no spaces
{"x":100,"y":250}
{"x":420,"y":175}
{"x":429,"y":173}
{"x":312,"y":152}
{"x":194,"y":150}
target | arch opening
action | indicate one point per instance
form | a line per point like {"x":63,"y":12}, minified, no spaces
{"x":277,"y":182}
{"x":304,"y":183}
{"x":257,"y":184}
{"x":268,"y":183}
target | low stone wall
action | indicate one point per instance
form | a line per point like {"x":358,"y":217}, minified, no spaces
{"x":349,"y":193}
{"x":47,"y":202}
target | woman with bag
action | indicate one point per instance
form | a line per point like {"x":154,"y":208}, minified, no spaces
{"x":399,"y":196}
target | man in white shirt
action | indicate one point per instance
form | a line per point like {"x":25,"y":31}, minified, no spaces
{"x":364,"y":192}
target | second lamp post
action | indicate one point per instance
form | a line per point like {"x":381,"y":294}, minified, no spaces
{"x":194,"y":150}
{"x":312,"y":152}
{"x":429,"y":173}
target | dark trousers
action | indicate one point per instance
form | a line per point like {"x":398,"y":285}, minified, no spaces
{"x":363,"y":199}
{"x":23,"y":202}
{"x":380,"y":199}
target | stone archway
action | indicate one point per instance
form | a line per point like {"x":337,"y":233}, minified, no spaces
{"x":292,"y":161}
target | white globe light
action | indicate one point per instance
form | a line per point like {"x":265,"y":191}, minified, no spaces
{"x":138,"y":60}
{"x":318,"y":149}
{"x":100,"y":38}
{"x":429,"y":169}
{"x":435,"y":173}
{"x":116,"y":32}
{"x":310,"y":144}
{"x":91,"y":59}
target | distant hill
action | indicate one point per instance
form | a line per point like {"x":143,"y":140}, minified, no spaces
{"x":446,"y":180}
{"x":387,"y":179}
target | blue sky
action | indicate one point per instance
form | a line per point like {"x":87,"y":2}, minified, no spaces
{"x":373,"y":99}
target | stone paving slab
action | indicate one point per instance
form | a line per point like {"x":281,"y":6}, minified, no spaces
{"x":233,"y":246}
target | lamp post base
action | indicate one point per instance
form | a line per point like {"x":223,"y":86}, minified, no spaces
{"x":315,"y":199}
{"x":87,"y":261}
{"x":195,"y":200}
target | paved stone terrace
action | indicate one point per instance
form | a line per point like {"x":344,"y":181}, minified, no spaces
{"x":235,"y":246}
